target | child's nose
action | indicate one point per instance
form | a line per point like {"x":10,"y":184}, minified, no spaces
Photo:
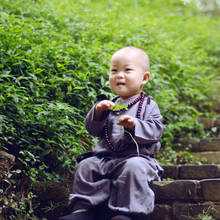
{"x":120,"y":74}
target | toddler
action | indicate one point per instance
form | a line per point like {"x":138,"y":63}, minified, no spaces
{"x":121,"y":166}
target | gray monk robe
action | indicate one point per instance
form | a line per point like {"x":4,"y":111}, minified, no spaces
{"x":121,"y":178}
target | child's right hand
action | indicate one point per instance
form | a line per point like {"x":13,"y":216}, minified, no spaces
{"x":104,"y":106}
{"x":101,"y":107}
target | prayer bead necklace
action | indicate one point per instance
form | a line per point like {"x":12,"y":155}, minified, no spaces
{"x":140,"y":98}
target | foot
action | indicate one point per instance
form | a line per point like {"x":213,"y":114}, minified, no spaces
{"x":88,"y":215}
{"x":121,"y":217}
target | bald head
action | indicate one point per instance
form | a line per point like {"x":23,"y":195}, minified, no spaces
{"x":136,"y":53}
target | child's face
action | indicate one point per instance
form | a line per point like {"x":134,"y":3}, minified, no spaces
{"x":127,"y":73}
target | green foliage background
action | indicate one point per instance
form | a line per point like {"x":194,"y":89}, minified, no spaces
{"x":54,"y":61}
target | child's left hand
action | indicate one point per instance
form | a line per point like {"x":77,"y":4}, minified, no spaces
{"x":127,"y":121}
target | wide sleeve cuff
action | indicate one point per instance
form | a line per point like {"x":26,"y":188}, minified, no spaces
{"x":93,"y":126}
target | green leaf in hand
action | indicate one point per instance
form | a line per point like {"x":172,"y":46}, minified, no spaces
{"x":117,"y":106}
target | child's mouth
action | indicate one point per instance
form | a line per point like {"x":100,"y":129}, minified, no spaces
{"x":120,"y":84}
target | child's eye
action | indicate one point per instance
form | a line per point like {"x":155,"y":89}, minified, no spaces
{"x":128,"y":69}
{"x":114,"y":71}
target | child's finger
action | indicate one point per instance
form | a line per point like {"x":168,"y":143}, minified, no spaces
{"x":124,"y":119}
{"x":110,"y":104}
{"x":104,"y":105}
{"x":130,"y":120}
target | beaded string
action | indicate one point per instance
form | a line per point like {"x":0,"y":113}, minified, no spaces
{"x":138,"y":115}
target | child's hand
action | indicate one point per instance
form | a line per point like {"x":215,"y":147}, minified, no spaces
{"x":127,"y":121}
{"x":104,"y":105}
{"x":101,"y":107}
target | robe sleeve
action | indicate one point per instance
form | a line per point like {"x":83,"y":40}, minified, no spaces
{"x":94,"y":127}
{"x":151,"y":128}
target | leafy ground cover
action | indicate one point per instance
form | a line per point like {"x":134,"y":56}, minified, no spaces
{"x":54,"y":62}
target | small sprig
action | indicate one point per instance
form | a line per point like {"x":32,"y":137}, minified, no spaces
{"x":117,"y":107}
{"x":137,"y":146}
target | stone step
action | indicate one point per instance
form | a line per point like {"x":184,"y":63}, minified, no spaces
{"x":183,"y":199}
{"x":184,"y":211}
{"x":178,"y":211}
{"x":193,"y":172}
{"x":200,"y":145}
{"x":187,"y":190}
{"x":212,"y":157}
{"x":209,"y":123}
{"x":175,"y":200}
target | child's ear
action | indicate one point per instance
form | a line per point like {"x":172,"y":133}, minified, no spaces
{"x":146,"y":78}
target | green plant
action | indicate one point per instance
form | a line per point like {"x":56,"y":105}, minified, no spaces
{"x":15,"y":198}
{"x":117,"y":106}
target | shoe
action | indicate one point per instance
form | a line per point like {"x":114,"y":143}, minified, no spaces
{"x":88,"y":215}
{"x":121,"y":217}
